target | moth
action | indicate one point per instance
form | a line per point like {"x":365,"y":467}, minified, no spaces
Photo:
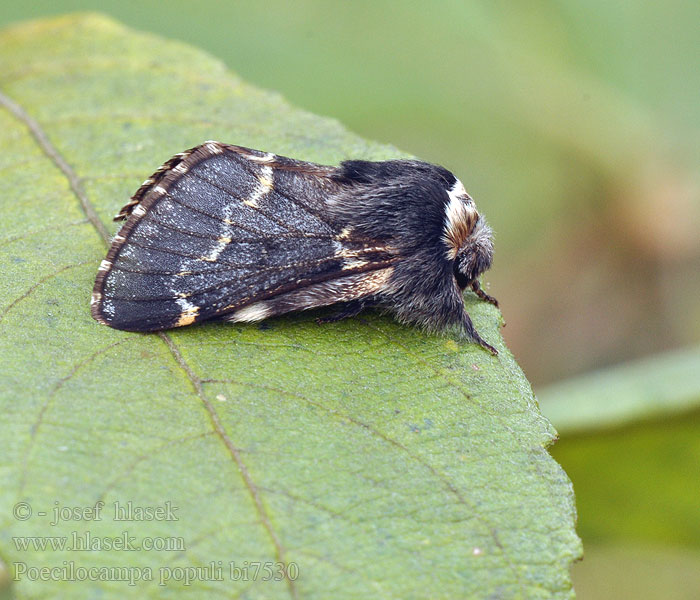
{"x":227,"y":232}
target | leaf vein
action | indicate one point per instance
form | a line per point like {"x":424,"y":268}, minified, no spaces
{"x":28,"y":293}
{"x":49,"y":399}
{"x":234,"y":452}
{"x":413,"y":456}
{"x":76,"y":186}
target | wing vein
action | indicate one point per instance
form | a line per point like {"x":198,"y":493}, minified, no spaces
{"x":263,"y":237}
{"x":313,"y":212}
{"x":264,"y":213}
{"x":212,"y":216}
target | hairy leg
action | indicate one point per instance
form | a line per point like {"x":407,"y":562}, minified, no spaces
{"x":482,"y":294}
{"x":468,"y":327}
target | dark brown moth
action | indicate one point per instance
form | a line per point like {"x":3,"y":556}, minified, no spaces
{"x":227,"y":232}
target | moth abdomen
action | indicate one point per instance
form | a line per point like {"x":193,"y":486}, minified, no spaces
{"x":222,"y":231}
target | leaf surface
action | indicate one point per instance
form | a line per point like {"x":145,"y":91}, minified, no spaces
{"x":379,"y":461}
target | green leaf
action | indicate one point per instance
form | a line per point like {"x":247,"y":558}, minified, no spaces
{"x":656,"y":386}
{"x":378,"y":461}
{"x":648,"y":490}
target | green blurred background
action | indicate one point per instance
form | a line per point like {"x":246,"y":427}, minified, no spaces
{"x":575,"y":124}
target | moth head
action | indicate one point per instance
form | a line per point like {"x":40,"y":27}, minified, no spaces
{"x":467,"y":236}
{"x":475,"y":256}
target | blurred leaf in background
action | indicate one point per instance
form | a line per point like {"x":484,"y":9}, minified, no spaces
{"x":633,"y":447}
{"x":631,"y":444}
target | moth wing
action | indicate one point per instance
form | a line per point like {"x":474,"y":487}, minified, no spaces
{"x":229,"y":231}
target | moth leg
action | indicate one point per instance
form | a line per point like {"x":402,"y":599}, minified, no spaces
{"x":349,"y":309}
{"x":482,"y":294}
{"x":468,"y":327}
